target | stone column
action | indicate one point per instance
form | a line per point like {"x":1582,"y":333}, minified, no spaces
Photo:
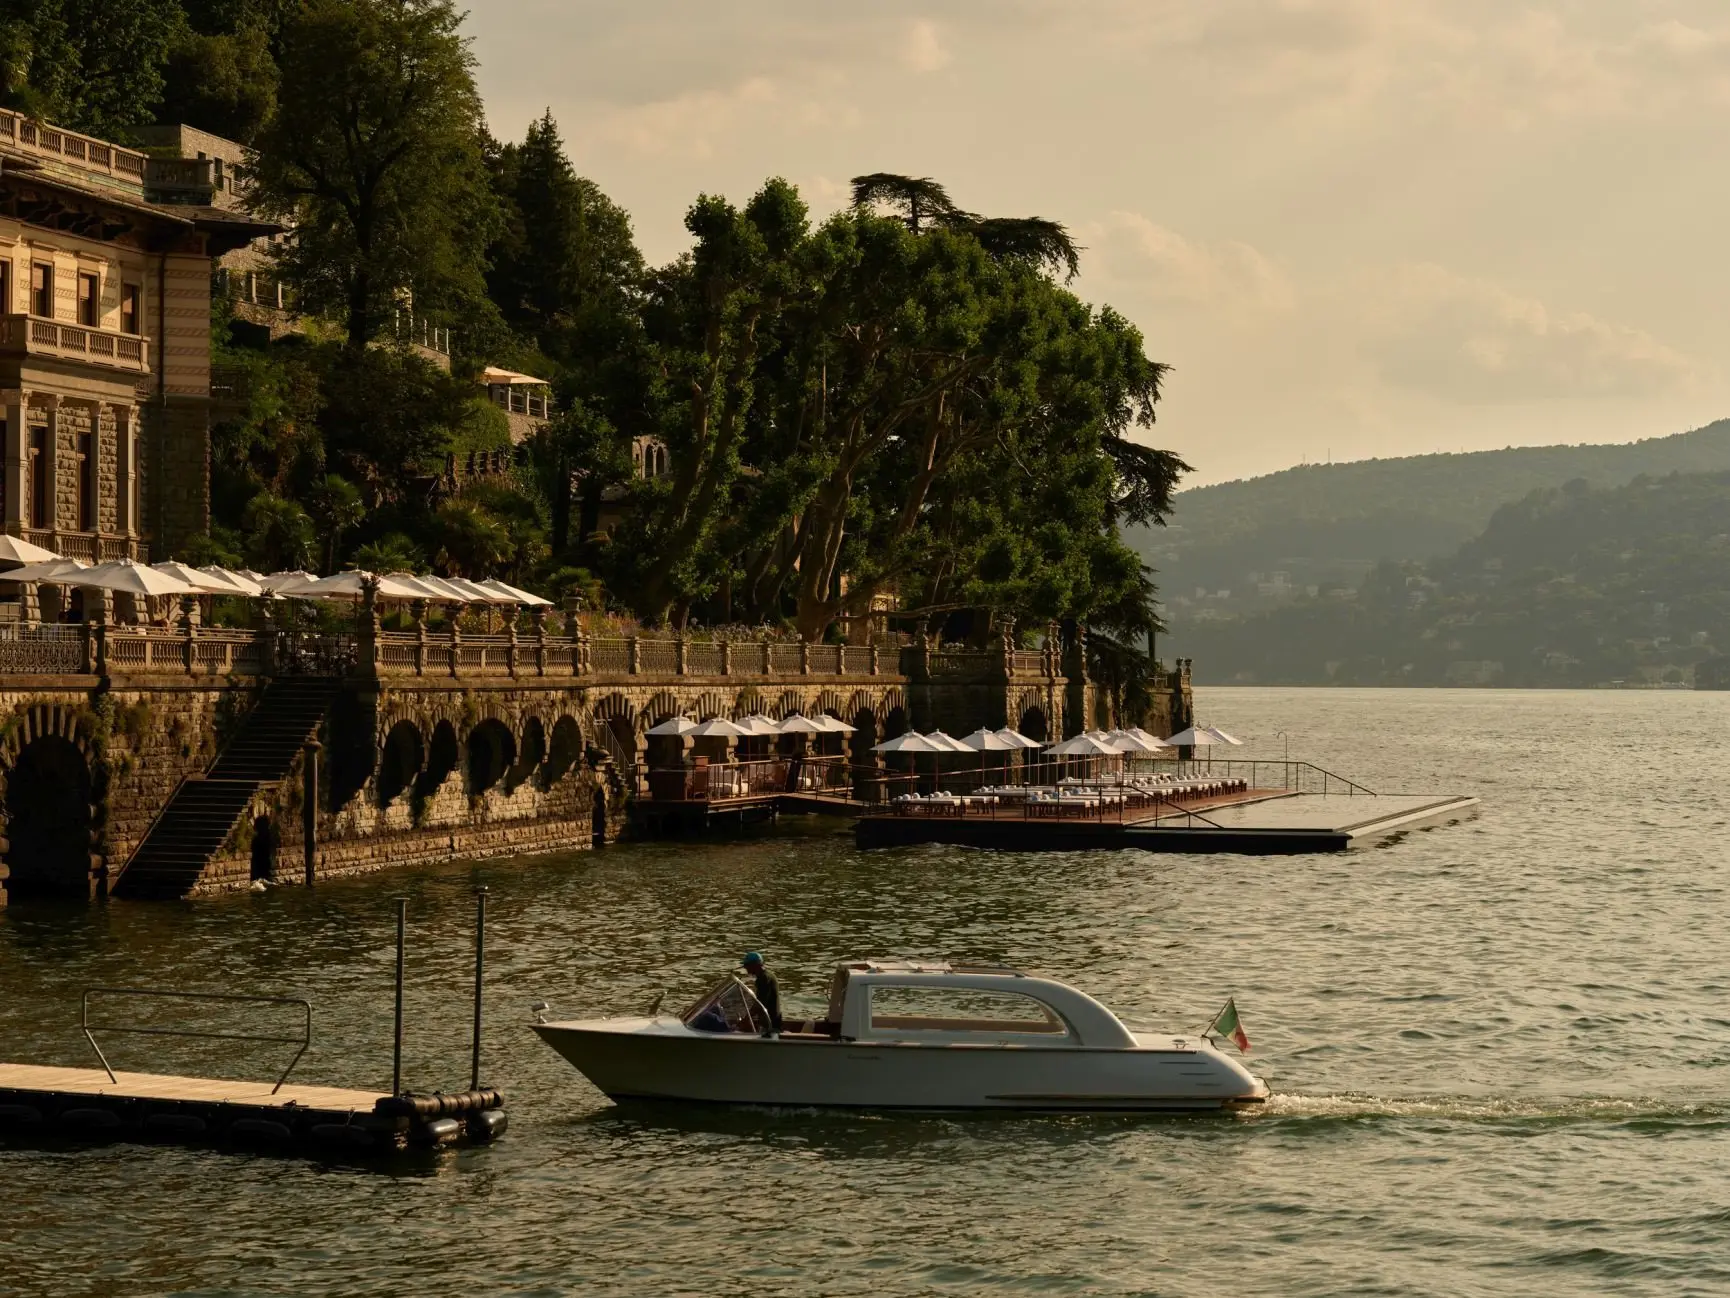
{"x":49,"y":466}
{"x":679,"y":653}
{"x":17,"y":459}
{"x":539,"y":617}
{"x":804,"y":657}
{"x":367,"y":628}
{"x":510,"y":617}
{"x":726,"y":656}
{"x":125,"y":474}
{"x":768,"y":656}
{"x":456,"y":647}
{"x":633,"y":657}
{"x":29,"y":604}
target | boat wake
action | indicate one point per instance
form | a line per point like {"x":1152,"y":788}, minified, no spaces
{"x":1632,"y":1112}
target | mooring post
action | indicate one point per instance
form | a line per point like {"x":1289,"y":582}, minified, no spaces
{"x":480,"y":969}
{"x":309,"y":812}
{"x":401,"y":942}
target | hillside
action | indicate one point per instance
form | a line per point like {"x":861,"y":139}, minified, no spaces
{"x":1329,"y":524}
{"x":1571,"y":586}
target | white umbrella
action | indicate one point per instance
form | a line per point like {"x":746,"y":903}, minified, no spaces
{"x":985,"y":740}
{"x":351,"y":585}
{"x":1018,"y":739}
{"x":800,"y":725}
{"x":1224,"y":738}
{"x":422,"y":584}
{"x":1083,"y":746}
{"x":1126,"y":741}
{"x":716,"y":727}
{"x":442,"y":589}
{"x":130,"y":576}
{"x":15,"y":549}
{"x":286,"y":583}
{"x":758,"y":724}
{"x":515,"y":594}
{"x":911,"y":742}
{"x":49,"y":571}
{"x":947,"y":743}
{"x":1195,"y":737}
{"x":673,"y":726}
{"x":834,"y":725}
{"x":476,"y":593}
{"x":199,"y":581}
{"x":240,"y":582}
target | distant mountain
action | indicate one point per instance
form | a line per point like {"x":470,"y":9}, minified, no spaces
{"x":1265,"y":540}
{"x":1571,"y":586}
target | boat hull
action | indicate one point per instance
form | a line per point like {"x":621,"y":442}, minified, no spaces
{"x":657,"y":1060}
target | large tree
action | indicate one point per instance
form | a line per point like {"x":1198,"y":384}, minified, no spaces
{"x":91,"y":65}
{"x":375,"y":156}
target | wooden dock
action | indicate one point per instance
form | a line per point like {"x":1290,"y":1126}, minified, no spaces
{"x":1253,"y":822}
{"x":43,"y":1102}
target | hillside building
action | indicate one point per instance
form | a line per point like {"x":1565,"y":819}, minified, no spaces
{"x":106,"y":256}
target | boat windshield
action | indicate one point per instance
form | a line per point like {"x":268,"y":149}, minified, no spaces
{"x":730,"y":1006}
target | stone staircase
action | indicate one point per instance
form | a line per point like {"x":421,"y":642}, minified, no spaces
{"x":205,"y":809}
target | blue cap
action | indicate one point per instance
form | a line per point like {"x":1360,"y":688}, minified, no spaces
{"x":752,"y":957}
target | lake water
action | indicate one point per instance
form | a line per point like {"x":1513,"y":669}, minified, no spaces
{"x":1501,"y":1051}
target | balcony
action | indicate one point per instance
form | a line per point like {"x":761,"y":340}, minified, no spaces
{"x":30,"y":336}
{"x":68,"y":151}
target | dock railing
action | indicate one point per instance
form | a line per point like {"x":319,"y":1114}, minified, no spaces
{"x":89,"y":1028}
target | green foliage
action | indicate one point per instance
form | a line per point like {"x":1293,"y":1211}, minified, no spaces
{"x":223,"y":82}
{"x":279,"y":534}
{"x":392,"y":552}
{"x":374,"y":154}
{"x":91,"y":65}
{"x":1568,"y":586}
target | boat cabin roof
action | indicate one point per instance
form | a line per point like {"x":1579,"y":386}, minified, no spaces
{"x":879,"y":966}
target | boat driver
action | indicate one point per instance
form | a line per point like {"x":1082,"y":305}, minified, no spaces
{"x":767,"y":989}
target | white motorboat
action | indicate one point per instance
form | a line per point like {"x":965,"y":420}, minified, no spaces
{"x":902,"y":1035}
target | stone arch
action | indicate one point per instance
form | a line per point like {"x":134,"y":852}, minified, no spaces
{"x":443,"y":753}
{"x":564,"y":750}
{"x":1033,"y":721}
{"x":663,"y":705}
{"x":706,"y":705}
{"x":531,"y":754}
{"x":895,"y":722}
{"x":50,"y":818}
{"x":401,"y":759}
{"x":830,"y":703}
{"x":791,"y":701}
{"x":614,"y":714}
{"x":748,"y":702}
{"x":492,"y":749}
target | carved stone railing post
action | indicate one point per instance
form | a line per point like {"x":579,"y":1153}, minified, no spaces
{"x":540,"y":622}
{"x":768,"y":656}
{"x":726,"y":657}
{"x":841,"y":660}
{"x":1052,"y":634}
{"x":189,"y":628}
{"x":680,"y":656}
{"x":456,"y":647}
{"x":1008,"y":665}
{"x":267,"y":630}
{"x":876,"y":658}
{"x":367,"y":629}
{"x":417,"y":610}
{"x":29,"y":604}
{"x":511,"y":639}
{"x":804,"y":657}
{"x":633,"y":655}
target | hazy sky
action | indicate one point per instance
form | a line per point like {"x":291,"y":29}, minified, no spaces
{"x":1354,"y":227}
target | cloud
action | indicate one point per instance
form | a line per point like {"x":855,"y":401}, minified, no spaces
{"x":1158,"y":266}
{"x":696,"y":124}
{"x":1471,"y":340}
{"x":924,"y":50}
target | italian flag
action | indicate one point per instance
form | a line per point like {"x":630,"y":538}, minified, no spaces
{"x":1227,"y":1025}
